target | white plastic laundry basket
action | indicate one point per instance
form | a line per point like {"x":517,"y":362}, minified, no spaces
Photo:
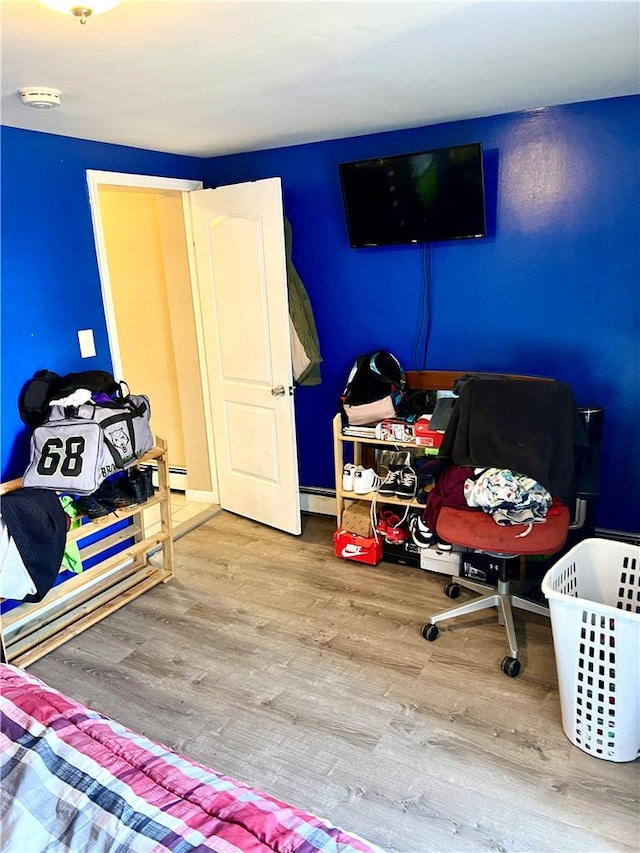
{"x":594,"y":602}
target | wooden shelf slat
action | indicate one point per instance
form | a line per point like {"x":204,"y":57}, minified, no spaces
{"x":56,"y":633}
{"x":111,"y":541}
{"x":94,"y":526}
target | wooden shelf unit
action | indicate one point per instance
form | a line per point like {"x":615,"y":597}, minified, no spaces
{"x":360,"y":444}
{"x":31,"y":630}
{"x":417,"y":380}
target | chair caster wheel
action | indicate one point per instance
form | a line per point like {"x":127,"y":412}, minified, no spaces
{"x":452,"y":590}
{"x":511,"y":667}
{"x":430,"y":632}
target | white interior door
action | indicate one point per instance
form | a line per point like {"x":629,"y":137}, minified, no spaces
{"x":241,"y":270}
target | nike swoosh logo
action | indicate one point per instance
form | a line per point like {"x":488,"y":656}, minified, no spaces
{"x":352,"y":551}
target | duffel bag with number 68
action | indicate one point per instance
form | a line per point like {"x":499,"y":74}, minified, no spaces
{"x":76,"y":453}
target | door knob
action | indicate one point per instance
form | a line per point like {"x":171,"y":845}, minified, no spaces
{"x":278,"y":391}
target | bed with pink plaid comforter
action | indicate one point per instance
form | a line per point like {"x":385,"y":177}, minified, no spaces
{"x":74,"y":780}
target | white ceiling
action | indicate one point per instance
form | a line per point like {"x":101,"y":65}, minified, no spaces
{"x":210,"y":78}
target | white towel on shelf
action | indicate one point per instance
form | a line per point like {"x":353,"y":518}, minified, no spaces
{"x":15,"y":580}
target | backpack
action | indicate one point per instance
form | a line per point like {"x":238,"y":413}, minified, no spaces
{"x":375,"y":389}
{"x":46,"y":385}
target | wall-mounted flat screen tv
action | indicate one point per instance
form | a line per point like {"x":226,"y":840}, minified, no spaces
{"x":415,"y":198}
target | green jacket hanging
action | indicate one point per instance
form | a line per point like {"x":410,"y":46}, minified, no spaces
{"x":305,"y":345}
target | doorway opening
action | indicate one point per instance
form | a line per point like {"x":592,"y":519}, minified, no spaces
{"x":152,"y":315}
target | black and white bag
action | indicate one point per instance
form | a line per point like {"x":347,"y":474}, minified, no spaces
{"x":78,"y":447}
{"x":375,"y":389}
{"x":47,"y":385}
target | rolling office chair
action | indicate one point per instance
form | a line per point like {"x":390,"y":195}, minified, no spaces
{"x":479,"y":532}
{"x":510,"y":424}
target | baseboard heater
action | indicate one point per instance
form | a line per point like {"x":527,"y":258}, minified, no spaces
{"x":318,"y":501}
{"x":618,"y":535}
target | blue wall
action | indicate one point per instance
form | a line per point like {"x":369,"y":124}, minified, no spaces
{"x":50,"y":281}
{"x":554,"y":290}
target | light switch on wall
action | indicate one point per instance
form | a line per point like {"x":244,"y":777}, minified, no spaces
{"x":87,"y":344}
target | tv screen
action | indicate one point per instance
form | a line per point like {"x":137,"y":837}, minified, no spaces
{"x":415,"y":198}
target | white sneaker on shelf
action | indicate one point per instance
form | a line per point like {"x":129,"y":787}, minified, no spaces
{"x":347,"y":477}
{"x":365,"y":480}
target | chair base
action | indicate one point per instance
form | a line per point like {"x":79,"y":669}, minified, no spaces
{"x":504,"y":600}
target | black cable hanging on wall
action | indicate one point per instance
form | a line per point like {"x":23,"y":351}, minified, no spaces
{"x":424,"y":309}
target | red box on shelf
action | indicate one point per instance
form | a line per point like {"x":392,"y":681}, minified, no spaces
{"x":424,"y":435}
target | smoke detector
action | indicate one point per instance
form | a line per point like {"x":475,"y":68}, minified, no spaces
{"x":40,"y":97}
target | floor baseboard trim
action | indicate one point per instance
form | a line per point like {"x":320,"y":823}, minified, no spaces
{"x":200,"y":496}
{"x":318,"y":501}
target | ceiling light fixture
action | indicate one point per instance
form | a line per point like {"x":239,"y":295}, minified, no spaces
{"x":82,"y":11}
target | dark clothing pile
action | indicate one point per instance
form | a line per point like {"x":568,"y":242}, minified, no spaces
{"x":526,"y":426}
{"x":448,"y":491}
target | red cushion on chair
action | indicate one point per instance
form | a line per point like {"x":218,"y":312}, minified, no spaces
{"x":478,"y":530}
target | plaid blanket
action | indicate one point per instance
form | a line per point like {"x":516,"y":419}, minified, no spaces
{"x":74,"y":780}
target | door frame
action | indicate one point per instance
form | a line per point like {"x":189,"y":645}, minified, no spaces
{"x":96,"y":179}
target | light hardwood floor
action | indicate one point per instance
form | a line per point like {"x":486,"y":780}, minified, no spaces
{"x":185,"y":515}
{"x":305,"y":675}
